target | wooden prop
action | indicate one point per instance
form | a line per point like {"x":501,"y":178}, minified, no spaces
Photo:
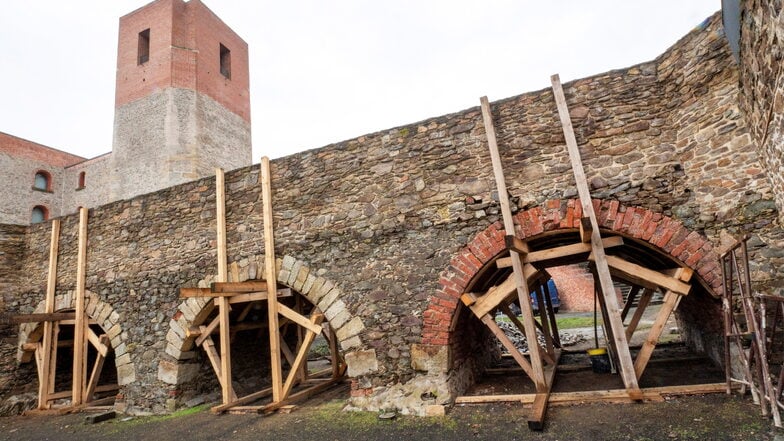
{"x":619,"y":343}
{"x":46,"y":365}
{"x":270,"y":275}
{"x":80,"y":339}
{"x":557,"y":253}
{"x":222,"y":302}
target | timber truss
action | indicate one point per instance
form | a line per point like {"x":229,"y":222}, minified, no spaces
{"x":285,"y":309}
{"x":529,"y":275}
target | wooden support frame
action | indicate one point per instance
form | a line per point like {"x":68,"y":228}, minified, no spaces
{"x":46,"y":366}
{"x":222,"y":302}
{"x":630,"y":301}
{"x":80,"y":339}
{"x":560,"y":252}
{"x":618,"y":342}
{"x":645,"y":299}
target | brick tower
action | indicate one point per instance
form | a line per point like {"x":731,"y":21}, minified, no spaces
{"x":182,"y":104}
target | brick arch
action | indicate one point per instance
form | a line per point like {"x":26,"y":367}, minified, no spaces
{"x":96,"y":309}
{"x":293,"y":273}
{"x":662,"y":232}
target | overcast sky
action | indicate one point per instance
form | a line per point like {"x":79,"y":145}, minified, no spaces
{"x":323,"y":71}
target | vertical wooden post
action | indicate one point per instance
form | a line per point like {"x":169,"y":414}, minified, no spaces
{"x":223,"y":302}
{"x":270,"y":275}
{"x":537,"y":371}
{"x":80,"y":337}
{"x":51,"y":284}
{"x":618,"y":340}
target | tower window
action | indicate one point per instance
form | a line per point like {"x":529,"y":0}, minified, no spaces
{"x":82,"y":176}
{"x":42,"y":181}
{"x":40,"y":214}
{"x":225,"y":61}
{"x":144,"y":46}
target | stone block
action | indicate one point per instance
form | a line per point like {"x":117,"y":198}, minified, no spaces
{"x":308,"y":285}
{"x":173,"y":338}
{"x":329,"y":299}
{"x":177,"y":373}
{"x":435,"y":410}
{"x":122,"y":359}
{"x":361,"y":362}
{"x":177,"y":328}
{"x":312,"y":293}
{"x":299,"y":281}
{"x":293,"y":272}
{"x":336,"y":308}
{"x":430,"y":358}
{"x":340,"y":319}
{"x":350,"y":329}
{"x":353,"y":342}
{"x":126,"y":374}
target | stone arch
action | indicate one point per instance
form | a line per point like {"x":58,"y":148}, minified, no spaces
{"x":294,"y":273}
{"x":663,"y":233}
{"x":101,"y":312}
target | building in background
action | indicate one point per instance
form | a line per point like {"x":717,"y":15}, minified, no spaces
{"x":182,"y":108}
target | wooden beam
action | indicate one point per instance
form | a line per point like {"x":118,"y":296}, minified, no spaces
{"x":238,"y":287}
{"x":645,"y":299}
{"x":215,"y":362}
{"x":80,"y":341}
{"x":302,"y":355}
{"x":497,"y":295}
{"x":97,"y":368}
{"x":560,"y":252}
{"x":99,"y":343}
{"x":301,"y":395}
{"x":612,"y":396}
{"x":586,"y":229}
{"x":51,"y":285}
{"x":630,"y":301}
{"x":258,"y":296}
{"x":539,"y":408}
{"x":671,"y":301}
{"x":222,"y":302}
{"x":516,"y":354}
{"x":18,"y":319}
{"x":299,"y":319}
{"x":639,"y":275}
{"x":206,"y":331}
{"x":242,"y":400}
{"x":505,"y":309}
{"x":519,"y":276}
{"x":516,"y":244}
{"x":270,"y":275}
{"x":551,"y":315}
{"x":619,"y":342}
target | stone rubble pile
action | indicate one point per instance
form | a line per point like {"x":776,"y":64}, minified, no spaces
{"x":520,"y":342}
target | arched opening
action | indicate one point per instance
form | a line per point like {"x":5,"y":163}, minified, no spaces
{"x":651,"y":241}
{"x":329,"y":333}
{"x":39,"y":214}
{"x":42,"y":181}
{"x":82,"y":178}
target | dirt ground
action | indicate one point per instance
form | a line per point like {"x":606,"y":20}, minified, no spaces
{"x":708,"y":417}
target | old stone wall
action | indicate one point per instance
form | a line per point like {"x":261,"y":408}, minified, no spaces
{"x":384,"y":215}
{"x":762,"y":85}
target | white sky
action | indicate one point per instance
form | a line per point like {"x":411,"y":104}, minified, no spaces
{"x":323,"y":71}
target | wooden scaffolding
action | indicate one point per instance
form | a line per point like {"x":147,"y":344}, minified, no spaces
{"x":529,"y":275}
{"x":253,"y":294}
{"x":46,"y":346}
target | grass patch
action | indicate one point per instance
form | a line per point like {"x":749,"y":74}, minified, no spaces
{"x":574,"y":322}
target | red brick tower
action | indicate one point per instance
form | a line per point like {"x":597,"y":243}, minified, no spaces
{"x":182,"y":104}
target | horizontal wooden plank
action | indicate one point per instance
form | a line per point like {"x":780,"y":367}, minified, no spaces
{"x":238,"y":287}
{"x":613,"y":395}
{"x":645,"y":277}
{"x":560,"y":252}
{"x":17,"y":319}
{"x":257,"y":296}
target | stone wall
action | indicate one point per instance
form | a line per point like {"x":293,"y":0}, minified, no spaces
{"x":384,"y":216}
{"x":762,"y":85}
